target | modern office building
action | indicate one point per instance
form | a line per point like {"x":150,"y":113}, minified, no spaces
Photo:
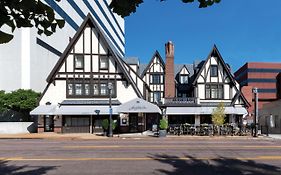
{"x":91,"y":81}
{"x":264,"y":76}
{"x":26,"y":61}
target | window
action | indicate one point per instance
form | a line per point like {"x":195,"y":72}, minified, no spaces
{"x":76,"y":88}
{"x":87,"y":89}
{"x":155,"y":79}
{"x":78,"y":62}
{"x":183,"y":79}
{"x":214,"y":70}
{"x":104,"y":62}
{"x":214,"y":91}
{"x":70,"y":89}
{"x":157,"y":96}
{"x":96,"y":89}
{"x":103,"y":89}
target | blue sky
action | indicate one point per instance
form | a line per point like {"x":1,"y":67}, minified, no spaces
{"x":243,"y":30}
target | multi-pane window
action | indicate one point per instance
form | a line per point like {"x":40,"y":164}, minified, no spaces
{"x":183,"y":79}
{"x":85,"y":89}
{"x":214,"y":70}
{"x":78,"y":61}
{"x":104,"y":61}
{"x":155,"y":79}
{"x":157,"y":96}
{"x":103,"y":89}
{"x":78,"y":89}
{"x":214,"y":91}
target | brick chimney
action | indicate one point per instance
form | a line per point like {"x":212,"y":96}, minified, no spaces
{"x":169,"y":70}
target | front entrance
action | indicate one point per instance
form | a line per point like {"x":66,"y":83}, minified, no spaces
{"x":48,"y":123}
{"x":133,"y":122}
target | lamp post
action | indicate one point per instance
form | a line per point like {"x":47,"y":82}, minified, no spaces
{"x":110,"y":86}
{"x":255,"y":91}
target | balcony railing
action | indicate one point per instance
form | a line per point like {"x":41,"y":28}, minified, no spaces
{"x":181,"y":100}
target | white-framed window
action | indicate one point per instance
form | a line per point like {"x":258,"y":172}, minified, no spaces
{"x":214,"y":91}
{"x":157,"y":96}
{"x":78,"y":61}
{"x":214,"y":70}
{"x":184,"y":79}
{"x":155,"y":79}
{"x":78,"y":89}
{"x":103,"y":89}
{"x":104,"y":62}
{"x":70,"y":89}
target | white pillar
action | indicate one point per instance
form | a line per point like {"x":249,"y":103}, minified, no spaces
{"x":197,"y":120}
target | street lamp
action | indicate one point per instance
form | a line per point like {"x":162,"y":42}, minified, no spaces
{"x":110,"y":86}
{"x":255,"y":91}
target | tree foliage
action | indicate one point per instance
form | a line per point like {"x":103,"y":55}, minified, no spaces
{"x":27,"y":13}
{"x":163,"y":124}
{"x":218,"y":115}
{"x":19,"y":100}
{"x":126,"y":7}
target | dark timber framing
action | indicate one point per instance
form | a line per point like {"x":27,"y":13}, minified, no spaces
{"x":90,"y":22}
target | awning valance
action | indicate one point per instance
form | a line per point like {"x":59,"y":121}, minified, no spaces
{"x":138,"y":105}
{"x":84,"y":110}
{"x":44,"y":110}
{"x":203,"y":110}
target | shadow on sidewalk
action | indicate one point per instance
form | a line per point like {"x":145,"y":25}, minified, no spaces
{"x":217,"y":166}
{"x":7,"y":168}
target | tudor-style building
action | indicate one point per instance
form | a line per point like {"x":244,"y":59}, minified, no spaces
{"x":193,"y":91}
{"x":78,"y":96}
{"x":91,"y":81}
{"x":153,"y":74}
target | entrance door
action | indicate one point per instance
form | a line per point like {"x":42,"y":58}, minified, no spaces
{"x":48,"y":123}
{"x":133,"y":122}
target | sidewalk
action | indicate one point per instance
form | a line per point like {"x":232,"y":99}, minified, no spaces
{"x":275,"y":136}
{"x":52,"y":136}
{"x":147,"y":135}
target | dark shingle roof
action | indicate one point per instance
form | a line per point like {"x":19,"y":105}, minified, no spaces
{"x":132,"y":60}
{"x":89,"y":102}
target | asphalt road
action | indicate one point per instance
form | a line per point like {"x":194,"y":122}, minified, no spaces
{"x":141,"y":156}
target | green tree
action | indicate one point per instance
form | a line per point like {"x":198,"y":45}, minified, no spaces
{"x":218,"y":115}
{"x":2,"y":102}
{"x":126,"y":7}
{"x":163,"y":124}
{"x":20,"y":100}
{"x":27,"y":13}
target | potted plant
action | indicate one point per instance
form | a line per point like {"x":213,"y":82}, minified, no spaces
{"x":163,"y":127}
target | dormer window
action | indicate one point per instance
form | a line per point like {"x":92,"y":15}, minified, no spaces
{"x":184,"y":79}
{"x":214,"y":71}
{"x":79,"y":61}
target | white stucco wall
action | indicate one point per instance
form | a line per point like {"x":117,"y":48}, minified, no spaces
{"x":17,"y":127}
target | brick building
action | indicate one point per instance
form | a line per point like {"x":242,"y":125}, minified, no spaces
{"x":264,"y":76}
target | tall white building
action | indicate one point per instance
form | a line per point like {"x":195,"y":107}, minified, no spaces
{"x":26,"y":61}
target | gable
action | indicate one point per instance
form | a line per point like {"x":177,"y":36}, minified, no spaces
{"x":156,"y":64}
{"x":184,"y":71}
{"x":92,"y":44}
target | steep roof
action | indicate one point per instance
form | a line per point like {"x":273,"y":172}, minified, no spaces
{"x":115,"y":55}
{"x":202,"y":65}
{"x":156,"y":54}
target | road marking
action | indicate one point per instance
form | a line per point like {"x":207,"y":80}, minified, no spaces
{"x":171,"y":147}
{"x":136,"y":158}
